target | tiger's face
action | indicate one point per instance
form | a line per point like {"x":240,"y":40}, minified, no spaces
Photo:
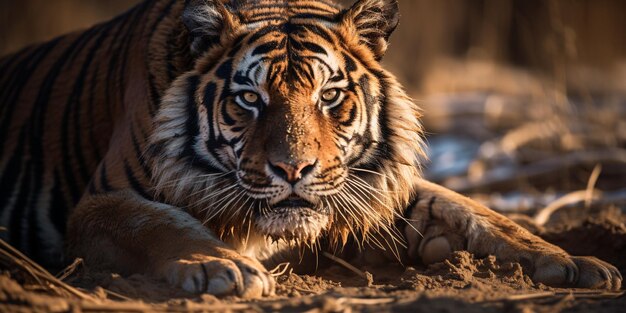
{"x":286,"y":121}
{"x":293,"y":111}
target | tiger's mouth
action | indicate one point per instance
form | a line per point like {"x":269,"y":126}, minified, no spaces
{"x":293,"y":218}
{"x":294,"y":202}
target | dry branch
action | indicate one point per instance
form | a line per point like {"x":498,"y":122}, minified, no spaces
{"x":345,"y":264}
{"x":498,"y":178}
{"x":12,"y":258}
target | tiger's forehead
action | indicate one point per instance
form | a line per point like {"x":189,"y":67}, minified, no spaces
{"x":255,"y":11}
{"x":288,"y":55}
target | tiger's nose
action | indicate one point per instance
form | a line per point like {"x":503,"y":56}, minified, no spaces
{"x":292,"y":172}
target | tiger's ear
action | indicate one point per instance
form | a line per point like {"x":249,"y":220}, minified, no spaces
{"x":373,"y":21}
{"x":207,"y":21}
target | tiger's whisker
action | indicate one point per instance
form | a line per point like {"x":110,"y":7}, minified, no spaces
{"x":367,"y":171}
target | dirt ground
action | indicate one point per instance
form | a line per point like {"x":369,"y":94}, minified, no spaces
{"x":462,"y":283}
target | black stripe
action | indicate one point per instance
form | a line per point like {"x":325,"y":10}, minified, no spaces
{"x":134,"y":183}
{"x":351,"y":116}
{"x":242,"y":80}
{"x":128,"y":42}
{"x":228,"y":120}
{"x":339,"y":76}
{"x":314,"y":47}
{"x":104,"y":180}
{"x":408,"y":212}
{"x":319,"y":31}
{"x":76,"y":160}
{"x":262,"y":32}
{"x":406,"y":219}
{"x":147,"y":172}
{"x":8,"y":182}
{"x":236,"y":45}
{"x":119,"y":40}
{"x":431,"y":202}
{"x":309,"y":69}
{"x":91,"y":188}
{"x":341,"y":134}
{"x":271,"y":19}
{"x":113,"y":51}
{"x":209,"y":102}
{"x":192,"y":128}
{"x":385,"y":150}
{"x":276,"y":70}
{"x":58,"y":205}
{"x":308,"y":74}
{"x":350,"y":64}
{"x":28,"y":196}
{"x":191,"y":125}
{"x":366,"y":139}
{"x":10,"y":94}
{"x":268,"y":47}
{"x":93,"y":121}
{"x":27,"y":219}
{"x":40,"y":107}
{"x":224,"y":70}
{"x":9,"y":64}
{"x":294,"y":67}
{"x":318,"y":59}
{"x":270,"y":15}
{"x":325,"y":18}
{"x":171,"y":48}
{"x":155,"y":94}
{"x":281,"y":7}
{"x":321,"y":11}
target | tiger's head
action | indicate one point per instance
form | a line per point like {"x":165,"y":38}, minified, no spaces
{"x":288,"y":126}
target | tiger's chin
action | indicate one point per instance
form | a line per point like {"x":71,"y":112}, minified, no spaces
{"x":295,"y":220}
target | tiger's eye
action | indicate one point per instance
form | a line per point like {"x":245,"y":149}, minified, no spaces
{"x":330,"y":95}
{"x":250,"y":97}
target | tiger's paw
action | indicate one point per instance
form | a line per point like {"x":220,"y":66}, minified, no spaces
{"x":576,"y":271}
{"x":243,"y":277}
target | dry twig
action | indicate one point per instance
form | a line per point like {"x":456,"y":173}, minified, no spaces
{"x":543,"y":216}
{"x":71,"y":269}
{"x":345,"y":264}
{"x":277,"y":271}
{"x":501,"y":177}
{"x":591,"y":183}
{"x":13,"y":258}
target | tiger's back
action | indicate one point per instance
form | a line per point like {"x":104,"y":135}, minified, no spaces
{"x":60,"y":104}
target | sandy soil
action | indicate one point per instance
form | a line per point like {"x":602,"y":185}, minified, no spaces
{"x":461,"y":283}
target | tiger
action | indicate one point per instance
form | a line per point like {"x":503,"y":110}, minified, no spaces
{"x":201,"y":142}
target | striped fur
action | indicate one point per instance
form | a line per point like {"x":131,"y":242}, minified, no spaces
{"x":61,"y":103}
{"x":191,"y":140}
{"x":96,"y":124}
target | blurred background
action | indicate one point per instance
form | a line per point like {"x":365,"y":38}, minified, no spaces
{"x":532,"y":34}
{"x":524,"y":100}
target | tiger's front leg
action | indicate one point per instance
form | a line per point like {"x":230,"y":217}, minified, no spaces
{"x":450,"y":222}
{"x":126,"y":233}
